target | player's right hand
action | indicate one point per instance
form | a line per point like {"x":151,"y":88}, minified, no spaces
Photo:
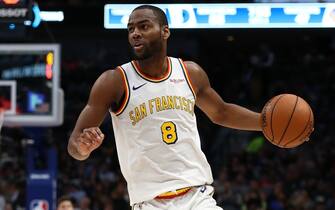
{"x":89,"y":140}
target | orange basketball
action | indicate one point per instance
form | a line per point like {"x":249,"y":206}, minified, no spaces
{"x":287,"y":120}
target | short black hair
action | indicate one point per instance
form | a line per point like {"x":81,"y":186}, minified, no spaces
{"x":161,"y":17}
{"x":65,"y":198}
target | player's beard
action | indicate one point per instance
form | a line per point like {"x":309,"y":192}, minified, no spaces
{"x":148,"y":50}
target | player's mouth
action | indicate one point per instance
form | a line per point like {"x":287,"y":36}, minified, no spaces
{"x":138,"y":46}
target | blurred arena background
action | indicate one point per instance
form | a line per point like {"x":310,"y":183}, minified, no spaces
{"x":246,"y":66}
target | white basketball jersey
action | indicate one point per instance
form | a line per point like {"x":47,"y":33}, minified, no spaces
{"x":156,"y":133}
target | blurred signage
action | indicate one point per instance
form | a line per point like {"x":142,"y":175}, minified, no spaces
{"x":253,"y":15}
{"x":15,"y":10}
{"x":41,"y":183}
{"x":10,"y":2}
{"x":39,"y":204}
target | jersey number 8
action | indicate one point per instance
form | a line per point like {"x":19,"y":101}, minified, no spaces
{"x":169,"y":132}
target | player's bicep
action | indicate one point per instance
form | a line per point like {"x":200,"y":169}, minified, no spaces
{"x":209,"y":101}
{"x":105,"y":91}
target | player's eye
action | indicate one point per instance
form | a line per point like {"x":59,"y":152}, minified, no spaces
{"x":144,"y":26}
{"x":130,"y":29}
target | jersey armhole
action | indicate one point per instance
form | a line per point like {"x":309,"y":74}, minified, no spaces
{"x":187,"y":76}
{"x":127,"y":92}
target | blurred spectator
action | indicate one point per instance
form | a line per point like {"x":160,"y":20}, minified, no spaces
{"x":277,"y":199}
{"x":301,"y":200}
{"x":254,"y":201}
{"x":85,"y":203}
{"x":65,"y":203}
{"x":120,"y":196}
{"x":2,"y":199}
{"x":109,"y":206}
{"x":15,"y":194}
{"x":8,"y":206}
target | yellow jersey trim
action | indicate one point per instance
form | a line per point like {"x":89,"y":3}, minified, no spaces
{"x":187,"y":76}
{"x":127,"y":92}
{"x":173,"y":194}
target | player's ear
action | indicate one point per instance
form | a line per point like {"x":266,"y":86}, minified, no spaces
{"x":165,"y":32}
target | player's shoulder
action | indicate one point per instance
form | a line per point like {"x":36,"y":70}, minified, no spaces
{"x":111,"y":74}
{"x":111,"y":83}
{"x":110,"y":79}
{"x":196,"y":74}
{"x":191,"y":65}
{"x":194,"y":69}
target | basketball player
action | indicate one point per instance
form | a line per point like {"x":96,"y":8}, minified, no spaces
{"x":151,"y":101}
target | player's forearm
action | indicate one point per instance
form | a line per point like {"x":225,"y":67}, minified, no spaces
{"x":237,"y":117}
{"x":73,"y":150}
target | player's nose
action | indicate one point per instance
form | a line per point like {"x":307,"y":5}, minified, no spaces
{"x":136,"y":34}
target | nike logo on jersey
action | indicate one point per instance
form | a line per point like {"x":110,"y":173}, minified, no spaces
{"x":203,"y":189}
{"x":135,"y":88}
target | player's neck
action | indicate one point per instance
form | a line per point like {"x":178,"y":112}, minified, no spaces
{"x":155,"y":66}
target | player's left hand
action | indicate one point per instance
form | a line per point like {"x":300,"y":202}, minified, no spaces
{"x":89,"y":140}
